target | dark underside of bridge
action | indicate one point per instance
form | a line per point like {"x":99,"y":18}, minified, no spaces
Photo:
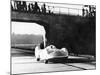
{"x":76,"y":33}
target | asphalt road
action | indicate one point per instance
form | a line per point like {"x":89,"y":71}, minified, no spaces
{"x":24,"y":63}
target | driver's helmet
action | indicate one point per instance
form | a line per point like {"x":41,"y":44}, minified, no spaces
{"x":52,"y":47}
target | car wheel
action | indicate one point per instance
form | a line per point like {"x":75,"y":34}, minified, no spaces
{"x":67,"y":57}
{"x":45,"y":61}
{"x":38,"y":59}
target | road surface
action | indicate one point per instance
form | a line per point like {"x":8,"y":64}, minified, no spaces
{"x":24,"y":63}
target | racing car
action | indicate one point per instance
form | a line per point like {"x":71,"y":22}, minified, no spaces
{"x":50,"y":52}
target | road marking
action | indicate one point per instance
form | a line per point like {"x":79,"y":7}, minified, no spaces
{"x":78,"y":67}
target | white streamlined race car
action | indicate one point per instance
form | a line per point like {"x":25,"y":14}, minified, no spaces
{"x":50,"y":52}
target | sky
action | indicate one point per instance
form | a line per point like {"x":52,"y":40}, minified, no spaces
{"x":27,"y":28}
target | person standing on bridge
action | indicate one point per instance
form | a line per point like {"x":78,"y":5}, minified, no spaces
{"x":83,"y":12}
{"x":24,"y":6}
{"x":43,"y":8}
{"x":36,"y":8}
{"x":19,"y":6}
{"x":29,"y":9}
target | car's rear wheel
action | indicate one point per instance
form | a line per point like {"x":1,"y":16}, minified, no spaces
{"x":45,"y":61}
{"x":38,"y":59}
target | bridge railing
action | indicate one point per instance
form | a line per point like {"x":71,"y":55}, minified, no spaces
{"x":51,"y":8}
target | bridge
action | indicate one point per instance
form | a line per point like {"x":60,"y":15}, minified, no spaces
{"x":75,"y":32}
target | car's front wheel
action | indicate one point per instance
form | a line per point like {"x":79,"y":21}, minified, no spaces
{"x":45,"y":61}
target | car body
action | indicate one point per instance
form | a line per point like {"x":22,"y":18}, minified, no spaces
{"x":50,"y":52}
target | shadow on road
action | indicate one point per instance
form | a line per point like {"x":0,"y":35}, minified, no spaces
{"x":71,"y":60}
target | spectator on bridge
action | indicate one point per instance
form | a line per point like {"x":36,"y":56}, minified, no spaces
{"x":29,"y":7}
{"x":49,"y":11}
{"x":36,"y":8}
{"x":21,"y":6}
{"x":87,"y":13}
{"x":24,"y":6}
{"x":32,"y":7}
{"x":18,"y":3}
{"x":94,"y":13}
{"x":12,"y":5}
{"x":83,"y":12}
{"x":43,"y":8}
{"x":15,"y":5}
{"x":90,"y":10}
